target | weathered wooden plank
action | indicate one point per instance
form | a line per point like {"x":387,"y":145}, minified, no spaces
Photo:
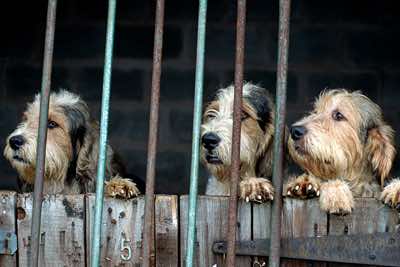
{"x":211,"y":226}
{"x":299,"y":219}
{"x":7,"y":222}
{"x":121,"y":233}
{"x":244,"y":230}
{"x":303,"y":218}
{"x":261,"y":221}
{"x":369,"y":216}
{"x":166,"y":221}
{"x":261,"y":227}
{"x":62,"y":230}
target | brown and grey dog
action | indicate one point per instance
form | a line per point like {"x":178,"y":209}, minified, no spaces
{"x":71,"y":150}
{"x":343,"y":145}
{"x":255,"y":146}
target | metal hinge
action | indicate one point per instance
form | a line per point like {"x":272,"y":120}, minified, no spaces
{"x":8,"y":243}
{"x":377,"y":249}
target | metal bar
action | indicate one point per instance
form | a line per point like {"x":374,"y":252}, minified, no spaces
{"x":236,"y":129}
{"x":42,"y":131}
{"x":198,"y":98}
{"x":105,"y":105}
{"x":148,"y":238}
{"x":279,"y":135}
{"x":374,"y":249}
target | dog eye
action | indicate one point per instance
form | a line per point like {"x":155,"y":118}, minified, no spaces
{"x":244,"y":115}
{"x":337,"y":116}
{"x":52,"y":124}
{"x":210,"y":116}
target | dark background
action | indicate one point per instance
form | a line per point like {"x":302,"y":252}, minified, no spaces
{"x":341,"y":43}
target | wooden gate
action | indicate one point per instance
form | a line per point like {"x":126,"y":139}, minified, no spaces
{"x":67,"y":220}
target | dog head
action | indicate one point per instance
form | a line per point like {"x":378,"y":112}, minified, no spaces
{"x":256,"y":132}
{"x":67,"y":124}
{"x":344,"y":133}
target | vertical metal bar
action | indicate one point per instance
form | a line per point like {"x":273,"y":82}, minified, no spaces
{"x":236,"y":129}
{"x":42,"y":131}
{"x":105,"y":105}
{"x":280,"y":115}
{"x":198,"y":98}
{"x":148,"y":239}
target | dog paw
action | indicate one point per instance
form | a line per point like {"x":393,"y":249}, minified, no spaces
{"x":256,"y":189}
{"x":336,"y":197}
{"x":391,"y":194}
{"x":119,"y":187}
{"x":304,"y":187}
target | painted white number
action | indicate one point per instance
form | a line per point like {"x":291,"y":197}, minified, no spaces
{"x":126,"y":251}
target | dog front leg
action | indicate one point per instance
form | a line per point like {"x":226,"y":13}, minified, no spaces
{"x":304,"y":186}
{"x":336,"y":197}
{"x":391,"y":194}
{"x":119,"y":187}
{"x":256,"y":189}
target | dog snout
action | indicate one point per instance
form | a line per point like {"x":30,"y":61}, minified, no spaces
{"x":16,"y":142}
{"x":210,"y":140}
{"x":297,"y":132}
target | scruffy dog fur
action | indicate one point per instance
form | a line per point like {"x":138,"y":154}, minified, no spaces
{"x":255,"y":147}
{"x":71,"y":150}
{"x":345,"y":148}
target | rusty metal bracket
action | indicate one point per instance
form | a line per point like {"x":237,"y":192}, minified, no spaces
{"x":8,"y":243}
{"x":377,"y":249}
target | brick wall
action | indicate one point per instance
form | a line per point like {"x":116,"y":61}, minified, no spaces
{"x":352,"y":44}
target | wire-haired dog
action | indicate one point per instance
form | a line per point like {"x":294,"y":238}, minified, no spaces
{"x":71,"y":150}
{"x":255,"y":146}
{"x":343,"y":144}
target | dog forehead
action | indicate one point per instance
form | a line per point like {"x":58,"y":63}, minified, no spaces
{"x":357,"y":107}
{"x":256,"y":96}
{"x":57,"y":99}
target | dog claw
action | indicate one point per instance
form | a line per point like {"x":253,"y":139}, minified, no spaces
{"x":303,"y":189}
{"x":247,"y":199}
{"x":259,"y":197}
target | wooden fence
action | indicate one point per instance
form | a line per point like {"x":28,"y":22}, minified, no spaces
{"x":66,"y":228}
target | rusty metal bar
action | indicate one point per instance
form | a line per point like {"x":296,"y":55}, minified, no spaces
{"x":42,"y":132}
{"x":374,"y":249}
{"x":198,"y":98}
{"x":237,"y":109}
{"x":148,"y":238}
{"x":279,"y":135}
{"x":105,"y":106}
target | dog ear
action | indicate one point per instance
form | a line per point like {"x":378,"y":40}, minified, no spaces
{"x":381,"y":150}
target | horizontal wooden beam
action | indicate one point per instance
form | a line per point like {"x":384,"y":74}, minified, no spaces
{"x":375,"y":249}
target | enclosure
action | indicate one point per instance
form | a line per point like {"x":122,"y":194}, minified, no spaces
{"x":332,"y":44}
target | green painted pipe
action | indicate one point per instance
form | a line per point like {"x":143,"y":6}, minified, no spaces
{"x":105,"y":105}
{"x":198,"y":99}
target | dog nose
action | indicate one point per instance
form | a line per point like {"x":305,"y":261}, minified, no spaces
{"x":16,"y":141}
{"x":210,"y":140}
{"x":297,"y":132}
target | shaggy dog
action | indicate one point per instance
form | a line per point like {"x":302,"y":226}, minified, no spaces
{"x":255,"y":146}
{"x":343,"y":145}
{"x":71,"y":150}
